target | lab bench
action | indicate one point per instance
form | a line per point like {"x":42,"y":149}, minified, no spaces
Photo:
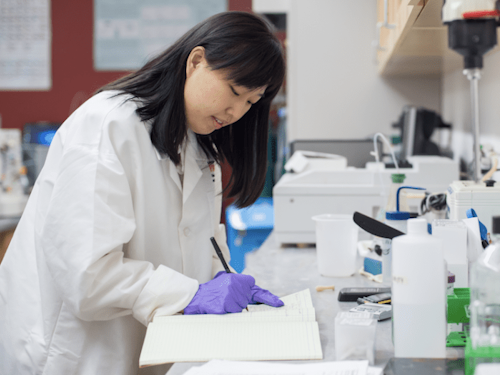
{"x":286,"y":270}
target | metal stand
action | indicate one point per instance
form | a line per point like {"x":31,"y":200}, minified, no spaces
{"x":474,"y":75}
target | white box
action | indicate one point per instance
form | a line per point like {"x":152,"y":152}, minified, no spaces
{"x":454,"y":236}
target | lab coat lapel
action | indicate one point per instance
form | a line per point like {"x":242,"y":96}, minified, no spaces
{"x":192,"y":171}
{"x":166,"y":162}
{"x":173,"y":174}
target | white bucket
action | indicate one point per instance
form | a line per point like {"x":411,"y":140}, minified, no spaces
{"x":336,"y":242}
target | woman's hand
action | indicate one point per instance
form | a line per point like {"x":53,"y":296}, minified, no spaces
{"x":229,"y":293}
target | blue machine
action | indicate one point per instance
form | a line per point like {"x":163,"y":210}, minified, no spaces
{"x":247,"y":229}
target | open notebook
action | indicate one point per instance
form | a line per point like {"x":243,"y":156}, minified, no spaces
{"x":289,"y":332}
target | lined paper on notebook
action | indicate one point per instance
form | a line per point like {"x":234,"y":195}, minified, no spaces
{"x":289,"y":332}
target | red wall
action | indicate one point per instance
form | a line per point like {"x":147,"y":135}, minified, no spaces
{"x":73,"y":76}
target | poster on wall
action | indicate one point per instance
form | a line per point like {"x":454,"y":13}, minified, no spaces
{"x":127,"y":33}
{"x":25,"y":45}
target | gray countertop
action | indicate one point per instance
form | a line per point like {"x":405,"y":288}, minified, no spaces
{"x":285,"y":271}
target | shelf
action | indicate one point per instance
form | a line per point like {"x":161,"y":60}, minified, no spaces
{"x":418,"y":45}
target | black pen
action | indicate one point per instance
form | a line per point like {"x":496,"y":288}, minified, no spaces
{"x":219,"y":254}
{"x":221,"y":257}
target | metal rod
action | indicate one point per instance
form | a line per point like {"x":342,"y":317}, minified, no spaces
{"x":474,"y":75}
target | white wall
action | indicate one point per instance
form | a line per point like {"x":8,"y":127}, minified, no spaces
{"x":334,"y":89}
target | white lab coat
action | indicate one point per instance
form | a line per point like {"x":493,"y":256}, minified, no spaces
{"x":110,"y":238}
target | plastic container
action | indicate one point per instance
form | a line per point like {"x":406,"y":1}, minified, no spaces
{"x":336,"y":245}
{"x":418,"y":294}
{"x":397,"y":220}
{"x":355,"y":336}
{"x":458,"y":315}
{"x":397,"y":182}
{"x":485,"y":296}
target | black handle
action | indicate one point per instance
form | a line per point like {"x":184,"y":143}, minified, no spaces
{"x":375,"y":227}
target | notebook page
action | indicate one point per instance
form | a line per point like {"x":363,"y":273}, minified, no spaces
{"x":194,"y":342}
{"x":275,"y":315}
{"x":298,"y":300}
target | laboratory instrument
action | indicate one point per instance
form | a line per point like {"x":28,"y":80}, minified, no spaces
{"x":12,"y":174}
{"x":484,"y":197}
{"x":315,"y":191}
{"x":375,"y":227}
{"x":357,"y":151}
{"x":382,"y":299}
{"x":458,"y":316}
{"x":417,"y":126}
{"x":37,"y":138}
{"x":418,"y":294}
{"x":378,"y":311}
{"x":472,"y":31}
{"x":484,"y":339}
{"x":352,"y":294}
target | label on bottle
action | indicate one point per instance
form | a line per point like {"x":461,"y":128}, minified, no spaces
{"x":399,"y":279}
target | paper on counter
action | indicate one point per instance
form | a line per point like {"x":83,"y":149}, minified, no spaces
{"x":263,"y":333}
{"x":218,"y":367}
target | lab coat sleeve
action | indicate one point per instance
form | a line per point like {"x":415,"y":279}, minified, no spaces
{"x":220,"y":229}
{"x":88,"y":219}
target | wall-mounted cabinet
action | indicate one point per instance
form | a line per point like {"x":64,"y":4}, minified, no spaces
{"x":412,"y":39}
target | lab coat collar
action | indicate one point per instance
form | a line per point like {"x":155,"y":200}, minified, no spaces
{"x":192,"y":143}
{"x":195,"y":161}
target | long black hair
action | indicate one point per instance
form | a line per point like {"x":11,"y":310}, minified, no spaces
{"x":244,"y":45}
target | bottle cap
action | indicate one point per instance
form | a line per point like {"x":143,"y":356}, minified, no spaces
{"x":398,"y":178}
{"x":397,"y":215}
{"x":417,"y":226}
{"x":395,"y":139}
{"x":451,"y":277}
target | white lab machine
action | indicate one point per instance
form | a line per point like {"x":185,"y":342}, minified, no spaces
{"x":12,"y":197}
{"x":483,"y":197}
{"x":297,"y":197}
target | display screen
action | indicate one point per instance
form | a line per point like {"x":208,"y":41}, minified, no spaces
{"x":45,"y":137}
{"x":40,"y":134}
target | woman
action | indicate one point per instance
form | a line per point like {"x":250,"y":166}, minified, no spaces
{"x":117,"y":229}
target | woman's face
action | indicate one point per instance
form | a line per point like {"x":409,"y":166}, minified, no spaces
{"x":211,"y":101}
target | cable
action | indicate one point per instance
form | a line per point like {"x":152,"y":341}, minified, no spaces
{"x":433,"y":202}
{"x":384,"y":193}
{"x":376,"y":154}
{"x":493,"y":169}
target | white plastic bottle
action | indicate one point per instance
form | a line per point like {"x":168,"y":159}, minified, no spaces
{"x":397,"y":181}
{"x":485,"y":296}
{"x":418,"y":294}
{"x":397,"y":220}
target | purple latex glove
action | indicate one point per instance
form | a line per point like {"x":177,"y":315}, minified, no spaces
{"x":260,"y":295}
{"x":228,"y":293}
